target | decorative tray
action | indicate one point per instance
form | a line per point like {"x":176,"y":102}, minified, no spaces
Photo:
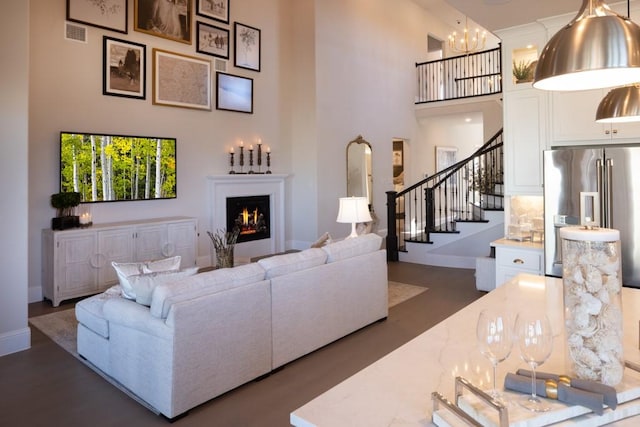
{"x":476,"y":408}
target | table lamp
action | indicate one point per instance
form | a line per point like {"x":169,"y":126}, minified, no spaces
{"x":353,"y":210}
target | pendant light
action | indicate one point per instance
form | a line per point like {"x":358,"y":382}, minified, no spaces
{"x":620,"y":105}
{"x":597,"y":49}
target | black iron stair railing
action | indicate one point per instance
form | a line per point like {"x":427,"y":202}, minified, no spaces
{"x":464,"y":76}
{"x":459,"y":193}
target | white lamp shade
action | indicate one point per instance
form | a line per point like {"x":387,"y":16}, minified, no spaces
{"x":353,"y":210}
{"x":597,"y":49}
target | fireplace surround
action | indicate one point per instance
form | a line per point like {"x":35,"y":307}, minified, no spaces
{"x":223,"y":187}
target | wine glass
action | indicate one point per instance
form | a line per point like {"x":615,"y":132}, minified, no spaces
{"x":494,"y":341}
{"x":535,"y":339}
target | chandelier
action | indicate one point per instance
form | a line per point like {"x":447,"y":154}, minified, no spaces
{"x":464,"y":44}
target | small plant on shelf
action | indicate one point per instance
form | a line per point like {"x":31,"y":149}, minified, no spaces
{"x":522,"y":71}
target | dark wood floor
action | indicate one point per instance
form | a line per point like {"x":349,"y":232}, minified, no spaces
{"x":46,"y":386}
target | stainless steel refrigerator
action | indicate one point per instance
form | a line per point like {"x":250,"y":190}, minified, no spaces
{"x":596,"y":185}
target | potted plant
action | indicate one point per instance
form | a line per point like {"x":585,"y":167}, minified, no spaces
{"x":65,"y":204}
{"x":223,"y":243}
{"x":522,"y":71}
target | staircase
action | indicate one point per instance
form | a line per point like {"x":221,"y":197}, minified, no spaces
{"x":449,"y":219}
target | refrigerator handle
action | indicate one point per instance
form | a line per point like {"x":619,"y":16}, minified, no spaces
{"x":599,"y":176}
{"x":609,"y":193}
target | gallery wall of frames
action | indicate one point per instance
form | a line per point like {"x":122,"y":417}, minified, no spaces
{"x":178,"y":79}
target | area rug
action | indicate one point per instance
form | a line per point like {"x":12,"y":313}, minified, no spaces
{"x":400,"y":292}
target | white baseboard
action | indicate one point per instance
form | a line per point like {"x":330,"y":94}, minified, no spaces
{"x":15,"y":341}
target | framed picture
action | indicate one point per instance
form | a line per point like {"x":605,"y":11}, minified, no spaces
{"x":246,"y":47}
{"x":445,"y":157}
{"x":214,"y":9}
{"x":234,"y":93}
{"x":124,"y":68}
{"x":181,"y":80}
{"x":212,"y":40}
{"x":108,"y":14}
{"x":169,"y":19}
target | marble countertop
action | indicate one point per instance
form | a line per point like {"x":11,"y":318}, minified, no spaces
{"x":506,"y":243}
{"x":396,"y":390}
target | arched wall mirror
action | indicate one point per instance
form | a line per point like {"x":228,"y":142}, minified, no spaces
{"x":359,"y":170}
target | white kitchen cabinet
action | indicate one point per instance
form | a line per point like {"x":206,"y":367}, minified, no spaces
{"x":573,"y":116}
{"x":525,"y":137}
{"x":77,"y":262}
{"x":513,"y":258}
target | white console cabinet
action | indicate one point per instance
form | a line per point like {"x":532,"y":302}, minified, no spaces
{"x":77,"y":262}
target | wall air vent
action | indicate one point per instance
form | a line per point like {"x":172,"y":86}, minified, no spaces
{"x":75,"y":32}
{"x":220,"y":65}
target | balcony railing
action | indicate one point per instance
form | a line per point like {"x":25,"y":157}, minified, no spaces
{"x":463,"y":76}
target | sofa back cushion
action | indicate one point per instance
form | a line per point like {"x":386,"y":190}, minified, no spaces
{"x":279,"y":265}
{"x":144,"y":284}
{"x":349,"y":248}
{"x":167,"y":294}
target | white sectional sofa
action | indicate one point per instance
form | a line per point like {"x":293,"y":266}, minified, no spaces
{"x":209,"y":333}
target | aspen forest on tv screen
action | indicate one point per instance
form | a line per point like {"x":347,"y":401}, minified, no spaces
{"x":116,"y":167}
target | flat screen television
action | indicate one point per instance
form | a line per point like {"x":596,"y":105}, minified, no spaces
{"x":107,"y":168}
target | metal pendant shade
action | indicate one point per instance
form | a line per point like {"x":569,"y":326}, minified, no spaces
{"x":620,"y":105}
{"x":597,"y":49}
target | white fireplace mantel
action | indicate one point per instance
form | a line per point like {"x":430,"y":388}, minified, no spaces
{"x":236,"y":185}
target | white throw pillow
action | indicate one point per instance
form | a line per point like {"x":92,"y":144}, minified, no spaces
{"x":144,"y":284}
{"x":126,"y":269}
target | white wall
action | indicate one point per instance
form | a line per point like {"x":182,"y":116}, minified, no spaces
{"x":331,"y":70}
{"x":14,"y":215}
{"x":365,"y":51}
{"x":66,"y":94}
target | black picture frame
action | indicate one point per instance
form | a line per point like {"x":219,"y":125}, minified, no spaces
{"x":212,"y":40}
{"x":124,"y":68}
{"x":172,"y":22}
{"x":234,"y":93}
{"x":109,"y":15}
{"x":213,"y":9}
{"x":247,"y":46}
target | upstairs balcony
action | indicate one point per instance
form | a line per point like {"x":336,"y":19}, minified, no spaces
{"x":459,"y":77}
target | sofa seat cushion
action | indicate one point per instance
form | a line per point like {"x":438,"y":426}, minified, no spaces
{"x":90,"y":312}
{"x":289,"y":263}
{"x":167,"y":294}
{"x":348,"y":248}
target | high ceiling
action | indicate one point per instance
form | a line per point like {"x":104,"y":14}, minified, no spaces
{"x":499,"y":14}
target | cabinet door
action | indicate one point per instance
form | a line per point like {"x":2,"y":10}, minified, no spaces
{"x":573,"y":116}
{"x":182,"y":240}
{"x":76,"y":270}
{"x":113,"y":245}
{"x":525,"y":134}
{"x":151,"y":242}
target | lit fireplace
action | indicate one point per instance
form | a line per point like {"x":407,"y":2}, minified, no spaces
{"x":249,"y":214}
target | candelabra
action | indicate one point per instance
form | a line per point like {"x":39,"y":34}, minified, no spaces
{"x":251,"y":159}
{"x":257,"y":159}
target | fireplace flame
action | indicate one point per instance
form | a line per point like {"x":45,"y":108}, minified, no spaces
{"x":248,"y":227}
